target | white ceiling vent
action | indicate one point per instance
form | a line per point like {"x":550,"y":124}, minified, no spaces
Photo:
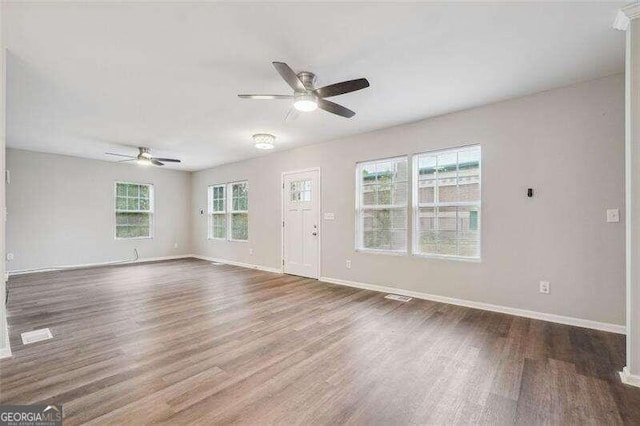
{"x":36,"y":336}
{"x":398,"y":297}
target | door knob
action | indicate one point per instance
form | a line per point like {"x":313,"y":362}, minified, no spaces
{"x":315,"y":234}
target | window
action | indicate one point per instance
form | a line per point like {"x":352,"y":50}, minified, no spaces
{"x":228,"y":211}
{"x":381,"y":206}
{"x":217,"y":212}
{"x":446,"y":199}
{"x":300,"y":190}
{"x":239,"y":211}
{"x":134,"y":210}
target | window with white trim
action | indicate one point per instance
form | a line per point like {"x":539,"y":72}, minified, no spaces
{"x":239,"y":211}
{"x":446,"y":203}
{"x":134,"y":210}
{"x":381,"y":205}
{"x":217,"y":212}
{"x":228,"y":211}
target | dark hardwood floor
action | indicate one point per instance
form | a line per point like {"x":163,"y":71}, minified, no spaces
{"x":186,"y":341}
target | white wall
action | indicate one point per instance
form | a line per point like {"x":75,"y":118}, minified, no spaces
{"x":568,"y":144}
{"x":61,"y":211}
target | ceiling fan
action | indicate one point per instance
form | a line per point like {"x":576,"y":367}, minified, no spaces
{"x":144,"y":158}
{"x":306,"y":97}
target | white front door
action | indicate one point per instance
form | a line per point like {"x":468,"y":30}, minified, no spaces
{"x":301,"y":236}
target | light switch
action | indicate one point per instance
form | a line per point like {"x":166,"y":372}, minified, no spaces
{"x":613,"y":215}
{"x":329,"y":216}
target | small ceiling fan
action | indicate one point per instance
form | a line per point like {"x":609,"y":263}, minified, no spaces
{"x":144,"y":158}
{"x":306,"y":97}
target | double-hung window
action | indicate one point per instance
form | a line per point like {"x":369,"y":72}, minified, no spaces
{"x":228,"y":211}
{"x":134,"y":210}
{"x":381,"y":205}
{"x":446,"y":203}
{"x":217,"y":212}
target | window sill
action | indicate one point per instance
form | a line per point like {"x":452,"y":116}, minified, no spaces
{"x":385,"y":252}
{"x":237,"y":241}
{"x":446,"y":257}
{"x":133,"y":238}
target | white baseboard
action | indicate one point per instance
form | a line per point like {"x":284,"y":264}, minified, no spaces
{"x":241,"y":264}
{"x":603,"y":326}
{"x":89,"y":265}
{"x":628,"y":378}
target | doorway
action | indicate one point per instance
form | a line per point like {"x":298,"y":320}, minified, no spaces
{"x":301,"y":223}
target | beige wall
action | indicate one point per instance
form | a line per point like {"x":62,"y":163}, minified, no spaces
{"x":61,"y":211}
{"x":568,"y":144}
{"x":4,"y":338}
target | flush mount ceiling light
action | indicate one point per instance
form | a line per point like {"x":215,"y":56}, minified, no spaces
{"x":264,"y":140}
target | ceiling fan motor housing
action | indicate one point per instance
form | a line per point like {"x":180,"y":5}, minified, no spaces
{"x":308,"y":79}
{"x":144,"y":153}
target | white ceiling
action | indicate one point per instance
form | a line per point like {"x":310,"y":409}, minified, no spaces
{"x":85,"y":79}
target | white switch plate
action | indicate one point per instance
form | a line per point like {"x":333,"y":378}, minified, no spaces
{"x":348,"y":264}
{"x":544,"y":287}
{"x":613,"y":215}
{"x":251,"y":251}
{"x":329,"y":216}
{"x":9,"y":256}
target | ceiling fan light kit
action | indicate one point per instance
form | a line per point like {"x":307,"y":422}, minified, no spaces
{"x":306,"y":97}
{"x":264,"y":141}
{"x":305,"y":102}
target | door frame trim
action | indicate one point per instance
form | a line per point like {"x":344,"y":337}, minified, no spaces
{"x":282,"y":208}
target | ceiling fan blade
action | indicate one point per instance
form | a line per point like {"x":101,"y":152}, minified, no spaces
{"x":266,"y":96}
{"x":120,"y":155}
{"x":335,"y":108}
{"x":292,"y":114}
{"x":156,"y":162}
{"x":124,"y":161}
{"x":167,"y":160}
{"x":289,"y":76}
{"x":342,"y":88}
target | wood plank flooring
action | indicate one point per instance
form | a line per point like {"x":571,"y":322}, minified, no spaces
{"x":186,"y":341}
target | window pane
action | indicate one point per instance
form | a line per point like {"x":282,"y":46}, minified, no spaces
{"x":121,"y":203}
{"x":132,"y":204}
{"x":132,"y":190}
{"x":144,"y":204}
{"x":144,"y":191}
{"x":121,"y":190}
{"x":426,"y":191}
{"x":469,"y":231}
{"x":218,"y":226}
{"x":384,"y":229}
{"x":427,"y":235}
{"x":239,"y":226}
{"x":122,"y":232}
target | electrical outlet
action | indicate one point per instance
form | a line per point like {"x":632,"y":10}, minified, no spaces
{"x":613,"y":215}
{"x":251,"y":251}
{"x":175,"y":245}
{"x":348,"y":264}
{"x":545,"y":287}
{"x":9,"y":256}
